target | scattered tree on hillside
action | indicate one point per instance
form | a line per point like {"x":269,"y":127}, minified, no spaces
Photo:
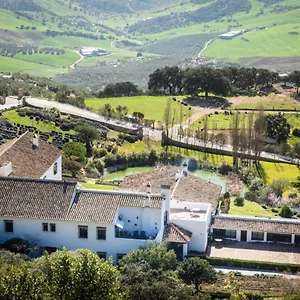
{"x":195,"y":270}
{"x":277,"y":127}
{"x":295,"y":79}
{"x":88,"y":134}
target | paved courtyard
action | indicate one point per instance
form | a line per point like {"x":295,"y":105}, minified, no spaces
{"x":256,"y":251}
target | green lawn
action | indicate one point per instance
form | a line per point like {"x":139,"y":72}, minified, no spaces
{"x":140,"y":146}
{"x":13,"y":116}
{"x":62,"y":60}
{"x":220,"y":121}
{"x":94,"y":186}
{"x":250,"y":209}
{"x":276,"y":171}
{"x":151,"y":106}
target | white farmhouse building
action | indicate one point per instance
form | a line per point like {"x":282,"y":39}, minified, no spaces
{"x":28,"y":156}
{"x":111,"y":223}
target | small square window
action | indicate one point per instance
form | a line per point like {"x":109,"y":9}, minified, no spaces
{"x":45,"y":226}
{"x":101,"y":233}
{"x":83,"y":232}
{"x":137,"y":217}
{"x":55,"y":168}
{"x":128,"y":221}
{"x":52,"y":227}
{"x":8,"y":226}
{"x":102,"y":255}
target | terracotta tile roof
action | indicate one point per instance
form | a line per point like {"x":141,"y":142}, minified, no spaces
{"x":26,"y":161}
{"x":102,"y":206}
{"x":37,"y":199}
{"x":190,"y":188}
{"x":176,"y":234}
{"x":256,"y":224}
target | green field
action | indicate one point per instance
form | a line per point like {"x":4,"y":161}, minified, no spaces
{"x":151,"y":106}
{"x":62,"y":60}
{"x":14,"y":65}
{"x":271,"y":42}
{"x":13,"y":117}
{"x":269,"y":102}
{"x":250,"y":209}
{"x":276,"y":170}
{"x":221,"y":121}
{"x":103,"y":187}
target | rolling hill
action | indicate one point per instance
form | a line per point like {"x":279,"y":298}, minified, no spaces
{"x":167,"y":32}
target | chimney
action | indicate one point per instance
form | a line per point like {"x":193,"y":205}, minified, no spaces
{"x":148,"y":188}
{"x":6,"y":169}
{"x":177,"y":175}
{"x":147,"y":201}
{"x":35,"y":142}
{"x":166,"y":193}
{"x":185,"y":169}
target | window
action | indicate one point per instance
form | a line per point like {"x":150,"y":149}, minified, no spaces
{"x":55,"y":168}
{"x":8,"y":226}
{"x":230,"y":234}
{"x":120,"y":256}
{"x":83,"y":232}
{"x":102,"y":255}
{"x":101,"y":233}
{"x":52,"y":227}
{"x":257,"y":236}
{"x":45,"y":226}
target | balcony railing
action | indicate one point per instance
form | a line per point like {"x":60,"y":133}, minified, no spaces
{"x":137,"y":235}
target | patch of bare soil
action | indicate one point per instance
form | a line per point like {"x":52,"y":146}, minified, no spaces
{"x":259,"y":285}
{"x":273,"y":63}
{"x":13,"y":37}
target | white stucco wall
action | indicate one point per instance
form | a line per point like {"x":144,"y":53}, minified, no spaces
{"x":198,"y":227}
{"x":66,"y":235}
{"x":137,"y":218}
{"x":49,"y":174}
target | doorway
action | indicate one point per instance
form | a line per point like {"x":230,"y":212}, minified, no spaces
{"x":244,"y":235}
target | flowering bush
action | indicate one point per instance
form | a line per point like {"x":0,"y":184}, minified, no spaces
{"x":276,"y":201}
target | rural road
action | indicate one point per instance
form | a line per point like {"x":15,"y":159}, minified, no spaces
{"x":73,"y":110}
{"x":206,"y":45}
{"x":78,"y":61}
{"x":10,"y":102}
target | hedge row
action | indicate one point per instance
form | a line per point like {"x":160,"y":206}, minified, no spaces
{"x":251,"y":264}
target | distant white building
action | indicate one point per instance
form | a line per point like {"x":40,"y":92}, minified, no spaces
{"x":62,"y":214}
{"x":92,"y":51}
{"x":231,"y":34}
{"x":28,"y":156}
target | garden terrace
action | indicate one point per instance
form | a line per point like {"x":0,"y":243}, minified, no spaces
{"x":190,"y":188}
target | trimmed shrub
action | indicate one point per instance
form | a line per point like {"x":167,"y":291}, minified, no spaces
{"x":225,"y":169}
{"x":250,"y":264}
{"x":17,"y":245}
{"x":239,"y":201}
{"x":285,"y":211}
{"x":99,"y":152}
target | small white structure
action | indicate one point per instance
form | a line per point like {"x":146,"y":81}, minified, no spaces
{"x":28,"y":156}
{"x":231,"y":34}
{"x":92,"y":51}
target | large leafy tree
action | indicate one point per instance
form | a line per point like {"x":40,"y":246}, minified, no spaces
{"x":277,"y":127}
{"x":76,"y":150}
{"x":79,"y":275}
{"x":295,"y":79}
{"x":167,"y":80}
{"x":196,"y":271}
{"x":207,"y":80}
{"x":88,"y":134}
